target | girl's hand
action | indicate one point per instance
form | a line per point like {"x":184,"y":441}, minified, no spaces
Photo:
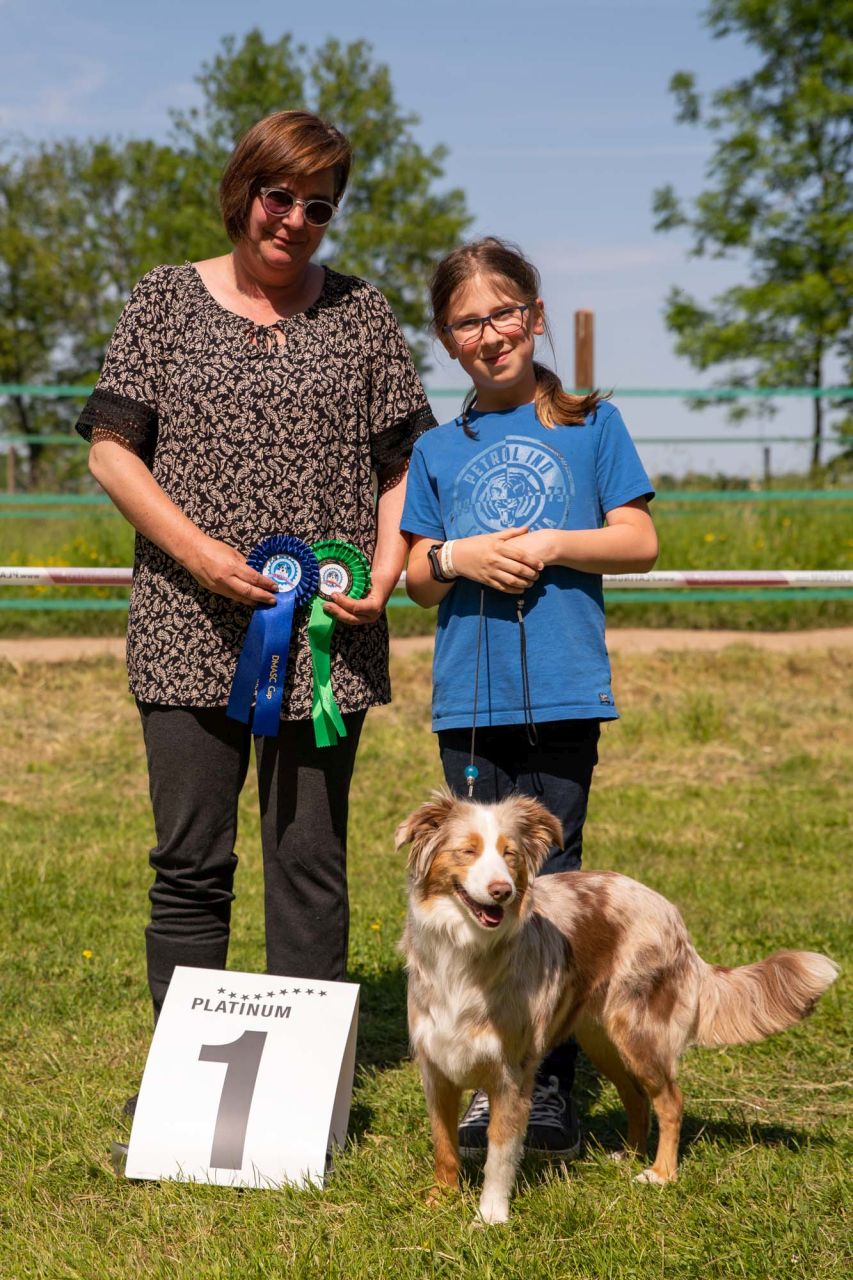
{"x":540,"y":543}
{"x":222,"y":569}
{"x":498,"y":560}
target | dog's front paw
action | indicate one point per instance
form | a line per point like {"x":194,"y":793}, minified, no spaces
{"x":653,"y":1178}
{"x":493,"y":1209}
{"x":439,"y":1193}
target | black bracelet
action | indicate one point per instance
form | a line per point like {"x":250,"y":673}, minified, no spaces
{"x":435,"y":563}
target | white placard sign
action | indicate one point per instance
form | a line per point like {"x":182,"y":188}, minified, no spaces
{"x":248,"y":1081}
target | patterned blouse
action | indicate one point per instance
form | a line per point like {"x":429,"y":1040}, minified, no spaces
{"x":252,"y":436}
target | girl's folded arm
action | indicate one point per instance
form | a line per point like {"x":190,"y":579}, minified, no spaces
{"x":421,"y":586}
{"x":498,"y":560}
{"x":627,"y":543}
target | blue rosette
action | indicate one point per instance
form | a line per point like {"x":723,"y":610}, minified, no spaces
{"x":262,"y":664}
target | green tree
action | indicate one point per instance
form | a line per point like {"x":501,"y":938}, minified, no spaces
{"x":80,"y":222}
{"x":779,"y":200}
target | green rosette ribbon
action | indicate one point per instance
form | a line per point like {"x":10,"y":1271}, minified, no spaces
{"x":343,"y":568}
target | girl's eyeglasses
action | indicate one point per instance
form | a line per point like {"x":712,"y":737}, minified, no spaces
{"x":467,"y":333}
{"x":278,"y":203}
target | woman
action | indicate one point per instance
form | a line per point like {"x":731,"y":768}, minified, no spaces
{"x":248,"y":395}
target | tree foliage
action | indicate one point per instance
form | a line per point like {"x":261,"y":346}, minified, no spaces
{"x":80,"y":222}
{"x":779,"y":200}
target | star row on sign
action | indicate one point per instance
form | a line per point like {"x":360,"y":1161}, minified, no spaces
{"x":283,"y":991}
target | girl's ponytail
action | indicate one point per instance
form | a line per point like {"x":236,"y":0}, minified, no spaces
{"x":554,"y":406}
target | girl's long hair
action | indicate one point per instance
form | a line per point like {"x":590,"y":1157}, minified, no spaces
{"x":499,"y":260}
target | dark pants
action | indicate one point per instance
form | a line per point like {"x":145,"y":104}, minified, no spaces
{"x":557,"y":771}
{"x":197,"y":764}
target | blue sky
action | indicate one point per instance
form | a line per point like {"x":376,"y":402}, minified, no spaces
{"x":556,"y":116}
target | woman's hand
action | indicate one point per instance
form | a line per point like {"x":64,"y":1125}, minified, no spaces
{"x":139,"y":498}
{"x":222,"y":569}
{"x":498,"y":560}
{"x":357,"y":613}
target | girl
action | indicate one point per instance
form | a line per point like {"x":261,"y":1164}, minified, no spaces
{"x":514,"y":511}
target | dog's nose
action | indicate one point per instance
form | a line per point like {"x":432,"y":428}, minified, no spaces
{"x":500,"y":890}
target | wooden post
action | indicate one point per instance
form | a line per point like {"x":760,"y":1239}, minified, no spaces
{"x":584,"y":350}
{"x":10,"y":469}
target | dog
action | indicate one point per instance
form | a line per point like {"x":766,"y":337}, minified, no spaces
{"x":502,"y":966}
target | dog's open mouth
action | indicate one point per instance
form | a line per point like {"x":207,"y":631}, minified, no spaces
{"x":488,"y":916}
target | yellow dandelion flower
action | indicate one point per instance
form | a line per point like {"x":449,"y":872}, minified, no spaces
{"x":710,"y":537}
{"x":376,"y":926}
{"x":87,"y":953}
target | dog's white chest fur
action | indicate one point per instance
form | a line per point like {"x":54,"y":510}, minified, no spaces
{"x":453,"y":1030}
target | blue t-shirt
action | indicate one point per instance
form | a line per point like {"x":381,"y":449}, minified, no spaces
{"x":519,"y":472}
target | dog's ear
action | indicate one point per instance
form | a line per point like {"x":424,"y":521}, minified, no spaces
{"x":538,"y":828}
{"x":425,"y":820}
{"x":422,"y":830}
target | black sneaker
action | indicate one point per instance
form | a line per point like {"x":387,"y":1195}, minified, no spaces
{"x":473,"y":1131}
{"x":553,"y":1128}
{"x":129,"y":1108}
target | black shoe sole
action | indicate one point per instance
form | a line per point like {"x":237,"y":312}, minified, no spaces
{"x":552,"y":1153}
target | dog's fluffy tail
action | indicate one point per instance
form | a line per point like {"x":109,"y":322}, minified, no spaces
{"x":749,"y":1003}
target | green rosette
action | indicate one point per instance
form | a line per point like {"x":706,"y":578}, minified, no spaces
{"x":343,"y":568}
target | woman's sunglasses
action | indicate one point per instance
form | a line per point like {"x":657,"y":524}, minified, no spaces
{"x":278,"y":203}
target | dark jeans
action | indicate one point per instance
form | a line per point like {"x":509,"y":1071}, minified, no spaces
{"x":557,"y":771}
{"x":197,"y":764}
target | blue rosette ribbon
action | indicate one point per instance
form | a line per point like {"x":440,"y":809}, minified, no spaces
{"x":262,"y":664}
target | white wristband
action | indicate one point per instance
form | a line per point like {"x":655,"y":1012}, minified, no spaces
{"x":447,"y":560}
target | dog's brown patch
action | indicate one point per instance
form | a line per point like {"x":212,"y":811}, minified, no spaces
{"x":656,"y":985}
{"x":538,"y":830}
{"x":449,"y":865}
{"x":595,"y":937}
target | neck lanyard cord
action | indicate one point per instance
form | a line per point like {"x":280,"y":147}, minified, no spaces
{"x":471,"y":771}
{"x":529,"y":723}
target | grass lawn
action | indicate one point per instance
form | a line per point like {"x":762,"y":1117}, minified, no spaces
{"x":723,"y":787}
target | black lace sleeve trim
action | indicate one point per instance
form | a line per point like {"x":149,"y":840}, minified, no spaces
{"x":391,"y":450}
{"x":119,"y":416}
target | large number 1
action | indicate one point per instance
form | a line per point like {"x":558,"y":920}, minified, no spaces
{"x":243,"y":1057}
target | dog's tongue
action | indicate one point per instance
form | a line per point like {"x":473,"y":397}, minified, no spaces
{"x":490,"y":916}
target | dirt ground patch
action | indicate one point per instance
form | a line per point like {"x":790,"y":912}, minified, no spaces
{"x":619,"y":640}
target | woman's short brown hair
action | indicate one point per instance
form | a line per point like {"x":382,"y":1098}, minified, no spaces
{"x":292,"y":143}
